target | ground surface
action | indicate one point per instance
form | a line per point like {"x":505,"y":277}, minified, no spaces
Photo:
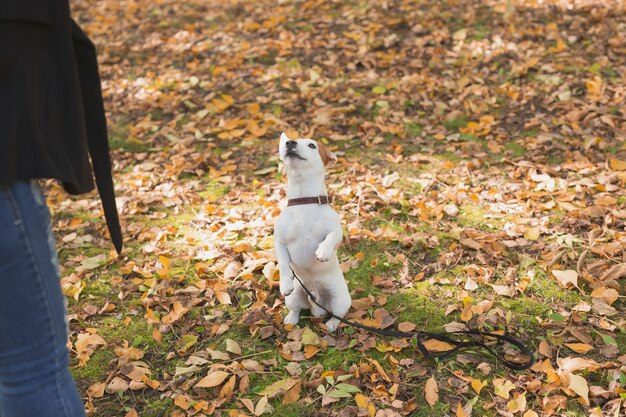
{"x":480,"y":182}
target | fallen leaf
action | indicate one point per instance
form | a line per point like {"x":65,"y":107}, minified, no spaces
{"x":132,"y":413}
{"x":518,"y":403}
{"x":96,"y":390}
{"x":293,"y":394}
{"x":213,"y":379}
{"x":233,"y":347}
{"x":117,"y":384}
{"x":431,"y":391}
{"x":278,"y":387}
{"x":261,"y":406}
{"x":608,"y":295}
{"x":566,"y":278}
{"x":617,"y":164}
{"x":579,"y":347}
{"x":309,"y":337}
{"x":502,"y":387}
{"x":576,"y":383}
{"x":434,"y":345}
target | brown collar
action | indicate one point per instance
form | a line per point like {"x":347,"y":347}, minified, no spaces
{"x":322,"y":199}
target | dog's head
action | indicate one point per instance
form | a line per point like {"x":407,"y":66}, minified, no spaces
{"x":304,"y":154}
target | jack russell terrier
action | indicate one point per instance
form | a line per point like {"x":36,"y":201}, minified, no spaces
{"x":307,"y":234}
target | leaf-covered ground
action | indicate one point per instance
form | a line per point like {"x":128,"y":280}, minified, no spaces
{"x":480,"y":181}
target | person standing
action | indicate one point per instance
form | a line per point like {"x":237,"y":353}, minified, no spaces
{"x":52,"y":125}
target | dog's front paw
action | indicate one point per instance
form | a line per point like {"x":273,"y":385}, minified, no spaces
{"x":332,"y":325}
{"x":286,"y":285}
{"x":324,"y":252}
{"x":292,"y":318}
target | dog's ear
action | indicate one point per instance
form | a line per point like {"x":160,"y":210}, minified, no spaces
{"x":282,"y":147}
{"x":327,"y":156}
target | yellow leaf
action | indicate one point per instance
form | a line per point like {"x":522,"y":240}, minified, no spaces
{"x":530,"y":413}
{"x":459,"y":411}
{"x":576,"y":383}
{"x":253,"y":108}
{"x":518,"y":403}
{"x":617,"y":164}
{"x":532,"y":233}
{"x":437,"y":345}
{"x":363,"y":401}
{"x":579,"y":347}
{"x":502,"y":387}
{"x":478,"y":385}
{"x":466,"y":314}
{"x":213,"y":379}
{"x":431,"y":391}
{"x":165,"y":261}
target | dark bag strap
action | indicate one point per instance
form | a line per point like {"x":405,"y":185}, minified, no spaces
{"x":97,"y":137}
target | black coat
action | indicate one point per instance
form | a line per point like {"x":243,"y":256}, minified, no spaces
{"x":52,"y":117}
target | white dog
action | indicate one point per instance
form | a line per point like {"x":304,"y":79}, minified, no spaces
{"x":307,"y":235}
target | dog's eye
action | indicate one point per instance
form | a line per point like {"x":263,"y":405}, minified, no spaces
{"x":312,"y":146}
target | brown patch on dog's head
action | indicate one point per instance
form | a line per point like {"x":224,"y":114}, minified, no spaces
{"x":326,"y":155}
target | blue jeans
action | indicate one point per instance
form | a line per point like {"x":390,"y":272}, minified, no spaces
{"x":34,"y":361}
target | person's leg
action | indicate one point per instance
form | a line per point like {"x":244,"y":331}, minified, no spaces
{"x":34,"y":374}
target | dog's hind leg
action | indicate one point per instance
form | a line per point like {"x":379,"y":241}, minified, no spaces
{"x":322,"y":296}
{"x":339,"y":305}
{"x":317,"y":311}
{"x":296,"y":302}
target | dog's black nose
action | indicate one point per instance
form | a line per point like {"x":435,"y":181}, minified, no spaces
{"x":291,"y":144}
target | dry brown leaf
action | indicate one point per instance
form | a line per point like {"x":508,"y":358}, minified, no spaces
{"x":213,"y":379}
{"x":132,"y":413}
{"x":576,"y":383}
{"x":431,"y":391}
{"x":566,"y":278}
{"x":293,"y":394}
{"x":96,"y":390}
{"x":579,"y":347}
{"x":117,"y":384}
{"x":434,"y":345}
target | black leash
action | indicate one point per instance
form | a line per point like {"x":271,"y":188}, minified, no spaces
{"x":419,"y":336}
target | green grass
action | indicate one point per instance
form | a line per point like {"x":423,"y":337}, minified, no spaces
{"x":293,"y":410}
{"x":515,"y":149}
{"x":474,"y":215}
{"x":119,"y":138}
{"x":413,"y":129}
{"x":417,"y":306}
{"x":455,"y":124}
{"x":96,"y":369}
{"x":158,"y":408}
{"x":137,"y":332}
